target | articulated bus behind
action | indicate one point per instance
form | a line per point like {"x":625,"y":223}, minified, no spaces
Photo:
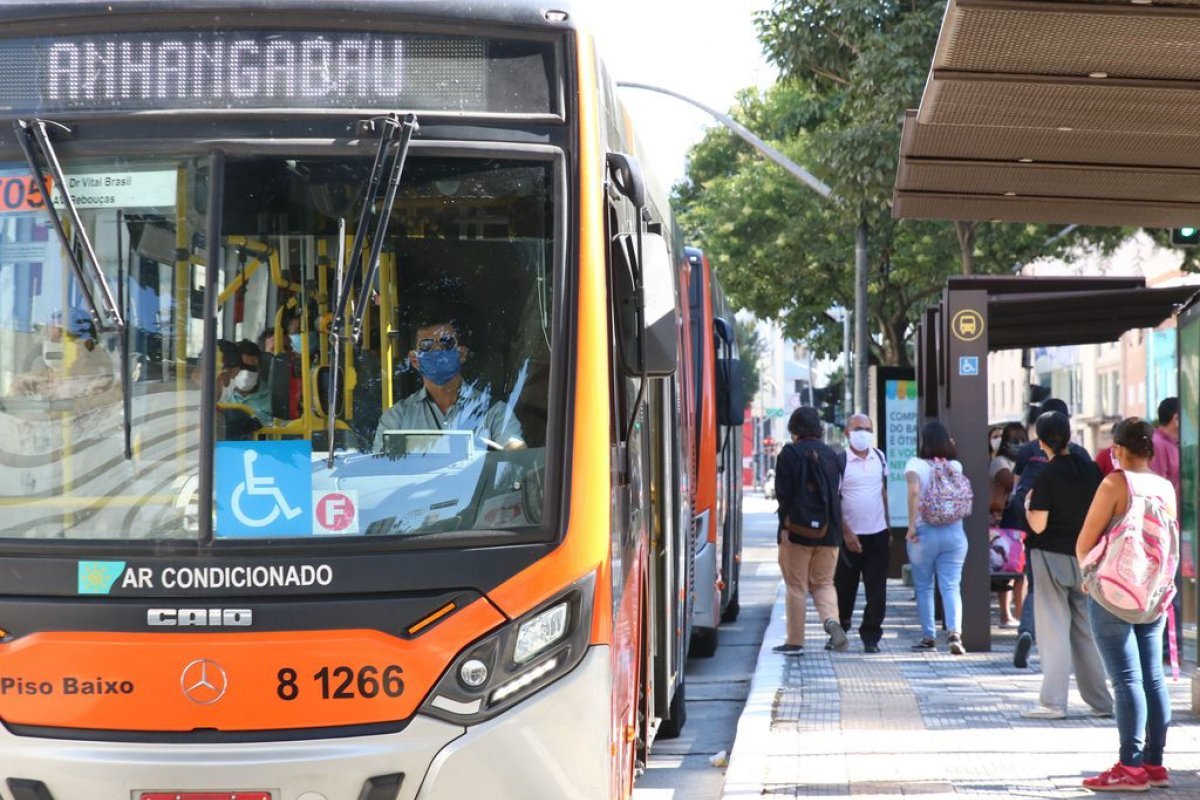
{"x":342,"y":443}
{"x":717,"y":488}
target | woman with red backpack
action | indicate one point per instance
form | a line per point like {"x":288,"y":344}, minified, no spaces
{"x":939,"y":496}
{"x":1129,"y":546}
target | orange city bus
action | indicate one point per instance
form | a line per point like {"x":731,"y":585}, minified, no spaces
{"x":716,"y":389}
{"x":342,"y":446}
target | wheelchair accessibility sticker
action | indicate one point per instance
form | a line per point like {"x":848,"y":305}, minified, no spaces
{"x":264,"y":489}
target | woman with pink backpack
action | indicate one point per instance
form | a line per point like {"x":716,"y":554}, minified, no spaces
{"x":1128,"y":548}
{"x":939,"y":496}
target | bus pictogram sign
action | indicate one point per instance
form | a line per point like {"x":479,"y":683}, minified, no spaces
{"x":335,"y":512}
{"x":967,"y":325}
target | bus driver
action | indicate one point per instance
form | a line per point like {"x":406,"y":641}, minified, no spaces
{"x":445,"y":401}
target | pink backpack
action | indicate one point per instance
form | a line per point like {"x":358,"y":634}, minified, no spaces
{"x":947,"y":497}
{"x":1006,"y":550}
{"x":1131,"y":569}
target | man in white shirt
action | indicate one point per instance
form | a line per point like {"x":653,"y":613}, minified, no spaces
{"x":866,"y":536}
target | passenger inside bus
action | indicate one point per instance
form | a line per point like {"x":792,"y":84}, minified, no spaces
{"x":246,"y":388}
{"x":445,"y":401}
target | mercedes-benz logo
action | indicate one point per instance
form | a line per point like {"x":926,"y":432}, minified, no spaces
{"x":203,"y":682}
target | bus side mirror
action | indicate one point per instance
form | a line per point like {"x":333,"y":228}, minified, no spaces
{"x":660,"y":334}
{"x":627,"y":177}
{"x":723,"y":329}
{"x":731,"y":399}
{"x":662,"y":324}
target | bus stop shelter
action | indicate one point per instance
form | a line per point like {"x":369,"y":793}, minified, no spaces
{"x":1039,"y":111}
{"x":978,"y":315}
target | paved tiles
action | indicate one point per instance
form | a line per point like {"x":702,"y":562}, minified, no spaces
{"x":923,"y":724}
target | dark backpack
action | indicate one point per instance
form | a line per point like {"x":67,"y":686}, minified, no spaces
{"x":808,"y":515}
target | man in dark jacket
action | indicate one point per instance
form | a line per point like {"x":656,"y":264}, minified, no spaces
{"x":806,"y":485}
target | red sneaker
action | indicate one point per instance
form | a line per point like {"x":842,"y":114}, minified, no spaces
{"x":1157,"y":776}
{"x":1119,"y":779}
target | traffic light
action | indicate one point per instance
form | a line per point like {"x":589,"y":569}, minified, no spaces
{"x":1185,"y":237}
{"x":1037,"y":396}
{"x":828,"y":402}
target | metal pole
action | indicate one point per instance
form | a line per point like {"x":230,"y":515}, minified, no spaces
{"x":808,"y":352}
{"x":847,"y":379}
{"x":813,"y":182}
{"x":860,"y":319}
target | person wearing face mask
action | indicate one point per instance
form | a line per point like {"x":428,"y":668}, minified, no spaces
{"x":1004,"y":444}
{"x":445,"y":401}
{"x":245,"y":387}
{"x":865,"y":532}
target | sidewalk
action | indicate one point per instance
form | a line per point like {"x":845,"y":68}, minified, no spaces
{"x":900,"y":723}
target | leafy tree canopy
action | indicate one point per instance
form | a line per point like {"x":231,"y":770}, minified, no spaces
{"x":750,"y":347}
{"x":849,"y":70}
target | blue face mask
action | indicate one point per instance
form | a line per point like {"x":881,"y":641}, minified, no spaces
{"x":439,"y":366}
{"x":296,"y":341}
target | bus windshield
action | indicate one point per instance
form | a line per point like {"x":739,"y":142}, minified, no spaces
{"x":441,"y":407}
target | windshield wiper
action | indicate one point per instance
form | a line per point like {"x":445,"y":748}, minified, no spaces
{"x":408,"y":126}
{"x":34,"y":138}
{"x":392,"y":127}
{"x":335,"y":348}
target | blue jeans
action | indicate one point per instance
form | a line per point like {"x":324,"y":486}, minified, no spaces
{"x":1132,"y":657}
{"x":1027,"y":624}
{"x":940,"y":551}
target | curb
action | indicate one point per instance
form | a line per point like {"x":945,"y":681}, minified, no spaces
{"x":752,"y":743}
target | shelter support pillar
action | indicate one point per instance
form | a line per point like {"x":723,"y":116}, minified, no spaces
{"x":966,"y":415}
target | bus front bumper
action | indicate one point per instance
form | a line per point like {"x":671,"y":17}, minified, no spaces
{"x":555,"y":744}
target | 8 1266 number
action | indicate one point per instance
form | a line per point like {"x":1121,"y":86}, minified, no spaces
{"x":344,"y":683}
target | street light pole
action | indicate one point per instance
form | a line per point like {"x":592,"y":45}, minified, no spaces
{"x":860,"y":319}
{"x":806,"y":177}
{"x":821,"y":188}
{"x":847,"y":380}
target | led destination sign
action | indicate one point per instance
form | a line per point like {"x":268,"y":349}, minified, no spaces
{"x":262,"y":69}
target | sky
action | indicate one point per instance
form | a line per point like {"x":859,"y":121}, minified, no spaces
{"x":705,"y":49}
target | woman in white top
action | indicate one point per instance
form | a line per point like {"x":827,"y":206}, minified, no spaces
{"x":935,"y":551}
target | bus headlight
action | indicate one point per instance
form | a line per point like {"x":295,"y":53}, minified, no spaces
{"x":540,"y":632}
{"x":508,"y":665}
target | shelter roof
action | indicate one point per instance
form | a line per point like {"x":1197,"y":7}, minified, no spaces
{"x":1047,"y":311}
{"x":1058,"y":112}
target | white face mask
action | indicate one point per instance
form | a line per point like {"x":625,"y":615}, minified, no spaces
{"x":245,"y":380}
{"x":996,"y":443}
{"x":1115,"y":461}
{"x":861,"y":440}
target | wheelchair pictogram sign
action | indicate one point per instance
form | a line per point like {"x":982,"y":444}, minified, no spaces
{"x":264,"y":489}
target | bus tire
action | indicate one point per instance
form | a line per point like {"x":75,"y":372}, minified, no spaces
{"x":672,"y":725}
{"x":731,"y":611}
{"x":704,"y":642}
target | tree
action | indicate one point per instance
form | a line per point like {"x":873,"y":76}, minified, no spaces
{"x":849,"y":69}
{"x":750,"y":347}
